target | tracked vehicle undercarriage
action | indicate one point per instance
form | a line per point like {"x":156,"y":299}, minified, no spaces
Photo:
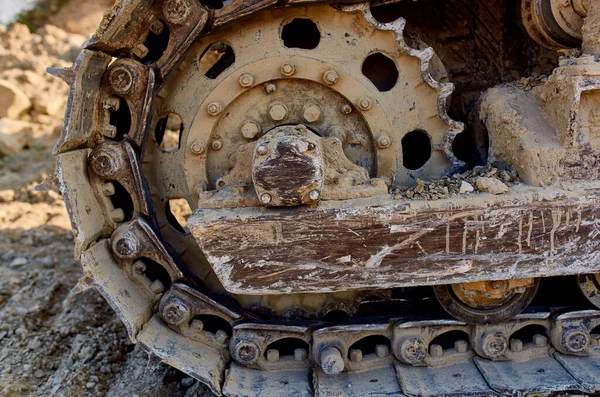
{"x":336,"y":246}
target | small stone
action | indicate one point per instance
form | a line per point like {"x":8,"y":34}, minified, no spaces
{"x":491,"y":185}
{"x":466,"y":187}
{"x":18,"y":262}
{"x":14,"y":135}
{"x":7,"y":196}
{"x":94,"y":378}
{"x":38,"y":374}
{"x":419,"y":187}
{"x":90,"y":385}
{"x":13,"y":101}
{"x":187,"y":382}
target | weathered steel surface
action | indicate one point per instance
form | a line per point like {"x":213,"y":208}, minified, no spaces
{"x":522,"y":235}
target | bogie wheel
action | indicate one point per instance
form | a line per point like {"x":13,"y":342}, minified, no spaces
{"x":487,"y":302}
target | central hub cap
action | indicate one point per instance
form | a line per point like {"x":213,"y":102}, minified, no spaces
{"x":288,"y":167}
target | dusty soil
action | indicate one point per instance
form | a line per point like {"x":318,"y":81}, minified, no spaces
{"x":53,"y":340}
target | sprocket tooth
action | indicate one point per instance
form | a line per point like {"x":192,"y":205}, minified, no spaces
{"x":67,"y":75}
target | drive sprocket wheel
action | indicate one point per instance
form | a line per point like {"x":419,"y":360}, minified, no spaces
{"x":170,"y":121}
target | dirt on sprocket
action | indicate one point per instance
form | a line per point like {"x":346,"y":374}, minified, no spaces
{"x":55,"y":342}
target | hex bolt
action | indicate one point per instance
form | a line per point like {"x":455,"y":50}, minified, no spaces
{"x":413,"y":350}
{"x":331,"y":361}
{"x":108,"y":189}
{"x":271,"y":88}
{"x":197,"y":325}
{"x":494,"y":344}
{"x":277,"y":112}
{"x":330,"y":77}
{"x":356,"y":355}
{"x":250,"y":130}
{"x":214,"y":108}
{"x":300,"y":354}
{"x":198,"y":147}
{"x":127,"y":246}
{"x":436,"y":350}
{"x":516,"y":345}
{"x":139,"y":267}
{"x":346,"y":109}
{"x":266,"y":198}
{"x":272,"y":355}
{"x":246,"y":352}
{"x":157,"y":287}
{"x":157,"y":27}
{"x":109,"y":131}
{"x":288,"y":69}
{"x":117,"y":215}
{"x":262,"y":150}
{"x":365,"y":103}
{"x":384,"y":141}
{"x":221,"y":336}
{"x":314,"y":195}
{"x":382,"y":351}
{"x":140,"y":51}
{"x":575,"y":341}
{"x":105,"y":163}
{"x":540,"y":340}
{"x":112,"y":103}
{"x":246,"y":80}
{"x":175,"y":311}
{"x":461,"y":346}
{"x":217,"y":144}
{"x":122,"y":79}
{"x":312,"y":113}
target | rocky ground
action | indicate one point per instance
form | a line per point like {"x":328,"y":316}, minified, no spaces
{"x":53,"y":341}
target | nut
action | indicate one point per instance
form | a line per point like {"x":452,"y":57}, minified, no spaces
{"x":436,"y":350}
{"x":312,"y":113}
{"x":122,"y":79}
{"x":356,"y":355}
{"x":246,"y":80}
{"x":495,"y":344}
{"x":278,"y":112}
{"x":516,"y":345}
{"x":127,"y":245}
{"x":265,"y":198}
{"x":314,"y":195}
{"x":250,"y":130}
{"x":105,"y":163}
{"x":246,"y":352}
{"x":217,"y":144}
{"x":198,"y":147}
{"x":197,"y":325}
{"x":140,"y":51}
{"x":575,"y":341}
{"x":382,"y":351}
{"x":262,"y":150}
{"x":157,"y":287}
{"x":288,"y":69}
{"x":346,"y":109}
{"x":300,"y":354}
{"x":176,"y":11}
{"x":330,"y":77}
{"x":461,"y":346}
{"x":365,"y":103}
{"x":271,"y":88}
{"x":221,"y":336}
{"x":540,"y":340}
{"x":214,"y":108}
{"x":157,"y":27}
{"x":384,"y":141}
{"x":139,"y":267}
{"x":272,"y":355}
{"x":175,"y":311}
{"x":112,"y":103}
{"x":331,"y":361}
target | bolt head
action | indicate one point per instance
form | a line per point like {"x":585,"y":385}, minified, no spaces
{"x":540,"y":340}
{"x":495,"y":344}
{"x":176,"y":11}
{"x":272,"y":355}
{"x":250,"y":130}
{"x":516,"y":345}
{"x":127,"y":246}
{"x":198,"y":147}
{"x":139,"y":267}
{"x":246,"y":80}
{"x":105,"y":163}
{"x":122,"y":79}
{"x":262,"y":150}
{"x":332,"y":361}
{"x":300,"y":354}
{"x":288,"y":69}
{"x":157,"y":287}
{"x":413,"y":350}
{"x":312,"y":113}
{"x":271,"y":88}
{"x":217,"y":144}
{"x":221,"y":336}
{"x":384,"y":141}
{"x":436,"y":350}
{"x":365,"y":103}
{"x":356,"y":355}
{"x":382,"y":351}
{"x":346,"y":109}
{"x":246,"y":352}
{"x":197,"y":325}
{"x":214,"y":108}
{"x":575,"y":341}
{"x":315,"y":195}
{"x":461,"y":346}
{"x":277,"y":112}
{"x":330,"y":77}
{"x":266,"y":198}
{"x":175,"y":312}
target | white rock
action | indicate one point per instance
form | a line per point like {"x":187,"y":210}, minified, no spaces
{"x":14,"y":136}
{"x":491,"y":185}
{"x":466,"y":187}
{"x":13,"y":101}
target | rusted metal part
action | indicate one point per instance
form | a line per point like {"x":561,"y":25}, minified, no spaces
{"x":136,"y":241}
{"x":134,"y":83}
{"x":490,"y":238}
{"x":574,"y":333}
{"x":84,"y":78}
{"x":554,"y":24}
{"x":485,"y":302}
